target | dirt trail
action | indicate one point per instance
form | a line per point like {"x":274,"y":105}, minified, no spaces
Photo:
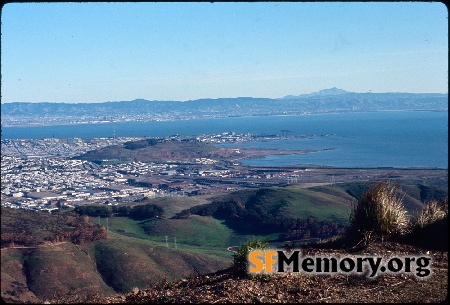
{"x":37,"y":246}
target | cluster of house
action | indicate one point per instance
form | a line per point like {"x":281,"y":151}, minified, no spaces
{"x":40,"y":175}
{"x":51,"y":183}
{"x":54,"y":147}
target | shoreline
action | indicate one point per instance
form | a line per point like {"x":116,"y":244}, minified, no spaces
{"x":97,"y":122}
{"x":316,"y":166}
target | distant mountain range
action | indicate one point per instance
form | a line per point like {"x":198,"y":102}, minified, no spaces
{"x":336,"y":92}
{"x":323,"y":101}
{"x":323,"y":92}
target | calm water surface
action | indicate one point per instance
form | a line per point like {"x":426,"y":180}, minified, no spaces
{"x":376,"y":139}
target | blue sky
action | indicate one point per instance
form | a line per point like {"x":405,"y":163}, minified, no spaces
{"x":97,"y":52}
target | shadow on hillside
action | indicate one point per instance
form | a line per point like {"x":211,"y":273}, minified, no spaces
{"x":432,"y":237}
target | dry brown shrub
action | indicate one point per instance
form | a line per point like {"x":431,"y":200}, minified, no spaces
{"x":432,"y":212}
{"x":379,"y":213}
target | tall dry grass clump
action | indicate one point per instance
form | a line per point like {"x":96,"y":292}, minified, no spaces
{"x":379,"y":213}
{"x":432,"y":212}
{"x":430,"y":229}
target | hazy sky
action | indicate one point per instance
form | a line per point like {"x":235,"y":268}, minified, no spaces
{"x":97,"y":52}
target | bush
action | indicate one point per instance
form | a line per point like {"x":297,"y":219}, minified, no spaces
{"x":379,"y":213}
{"x":240,"y":263}
{"x":147,"y":211}
{"x":432,"y":212}
{"x":93,"y":210}
{"x":431,"y":227}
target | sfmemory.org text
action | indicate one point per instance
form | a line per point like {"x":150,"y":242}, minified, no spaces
{"x":273,"y":261}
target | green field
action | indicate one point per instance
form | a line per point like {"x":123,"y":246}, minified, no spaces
{"x":305,"y":203}
{"x":174,"y":205}
{"x":137,"y":254}
{"x":198,"y":234}
{"x":208,"y":235}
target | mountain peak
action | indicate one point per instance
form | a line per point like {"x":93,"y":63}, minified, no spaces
{"x":331,"y":91}
{"x":323,"y":92}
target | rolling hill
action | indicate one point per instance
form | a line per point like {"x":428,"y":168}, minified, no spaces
{"x":160,"y":151}
{"x":192,"y":239}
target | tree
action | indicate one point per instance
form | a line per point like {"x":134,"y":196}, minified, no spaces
{"x":146,"y":211}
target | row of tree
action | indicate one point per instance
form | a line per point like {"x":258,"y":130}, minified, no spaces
{"x":139,"y":212}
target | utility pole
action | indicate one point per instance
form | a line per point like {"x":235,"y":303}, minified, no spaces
{"x":167,"y":244}
{"x":175,"y":240}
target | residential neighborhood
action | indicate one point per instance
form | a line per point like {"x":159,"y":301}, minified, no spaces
{"x":43,"y":175}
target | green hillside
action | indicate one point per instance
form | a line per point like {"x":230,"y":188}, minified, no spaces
{"x":174,"y":205}
{"x":305,"y":203}
{"x":414,"y":195}
{"x":197,"y":234}
{"x":278,"y":210}
{"x":191,"y":239}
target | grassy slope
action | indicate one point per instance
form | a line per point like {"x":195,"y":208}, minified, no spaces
{"x":13,"y":278}
{"x":305,"y":203}
{"x":104,"y":266}
{"x":174,"y":205}
{"x":45,"y":269}
{"x":198,"y":234}
{"x":414,"y":195}
{"x":135,"y":253}
{"x":125,"y":262}
{"x":331,"y":203}
{"x":49,"y":270}
{"x":213,"y":236}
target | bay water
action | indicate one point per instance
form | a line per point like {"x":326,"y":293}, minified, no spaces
{"x":371,"y":139}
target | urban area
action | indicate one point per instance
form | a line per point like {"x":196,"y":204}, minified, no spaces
{"x":46,"y":175}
